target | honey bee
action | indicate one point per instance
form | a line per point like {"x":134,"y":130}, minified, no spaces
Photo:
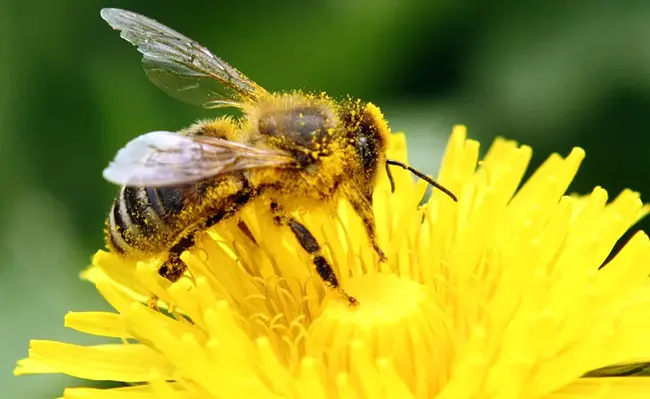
{"x":296,"y":151}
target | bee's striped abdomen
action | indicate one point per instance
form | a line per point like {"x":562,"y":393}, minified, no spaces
{"x":141,"y":219}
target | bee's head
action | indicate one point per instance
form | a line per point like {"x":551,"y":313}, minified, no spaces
{"x":369,"y":133}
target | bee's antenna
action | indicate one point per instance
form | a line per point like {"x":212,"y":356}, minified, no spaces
{"x":390,"y":177}
{"x":418,"y":174}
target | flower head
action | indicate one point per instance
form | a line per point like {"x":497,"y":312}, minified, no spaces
{"x":499,"y":295}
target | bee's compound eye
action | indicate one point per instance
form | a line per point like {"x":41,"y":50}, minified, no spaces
{"x":368,"y":148}
{"x":367,"y":152}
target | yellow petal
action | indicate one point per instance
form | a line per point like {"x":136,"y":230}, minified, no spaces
{"x":97,"y":323}
{"x":128,"y":363}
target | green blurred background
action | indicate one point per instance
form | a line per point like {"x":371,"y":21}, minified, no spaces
{"x":551,"y":74}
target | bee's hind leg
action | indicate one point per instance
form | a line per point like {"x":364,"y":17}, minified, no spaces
{"x":173,"y":267}
{"x":308,"y":242}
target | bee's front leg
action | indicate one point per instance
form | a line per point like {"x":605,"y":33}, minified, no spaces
{"x":308,"y":242}
{"x":362,"y":205}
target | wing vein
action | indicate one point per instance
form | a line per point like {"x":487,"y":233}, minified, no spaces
{"x":158,"y":159}
{"x":171,"y":59}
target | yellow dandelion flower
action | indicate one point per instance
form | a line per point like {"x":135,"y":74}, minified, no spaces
{"x":499,"y":295}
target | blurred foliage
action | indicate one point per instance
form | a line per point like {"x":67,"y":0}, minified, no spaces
{"x":623,"y":370}
{"x":551,"y":74}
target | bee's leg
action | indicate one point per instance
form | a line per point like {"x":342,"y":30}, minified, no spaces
{"x":173,"y":267}
{"x":235,"y":203}
{"x":308,"y":243}
{"x":362,"y":205}
{"x":247,"y":231}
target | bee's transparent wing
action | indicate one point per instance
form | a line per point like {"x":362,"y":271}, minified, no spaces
{"x":161,"y":158}
{"x":180,"y":66}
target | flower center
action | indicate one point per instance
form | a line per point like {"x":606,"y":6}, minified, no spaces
{"x":398,"y":327}
{"x":383,"y":298}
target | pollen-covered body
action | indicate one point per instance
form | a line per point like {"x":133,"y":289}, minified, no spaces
{"x":331,"y":144}
{"x":322,"y":136}
{"x":148,"y":221}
